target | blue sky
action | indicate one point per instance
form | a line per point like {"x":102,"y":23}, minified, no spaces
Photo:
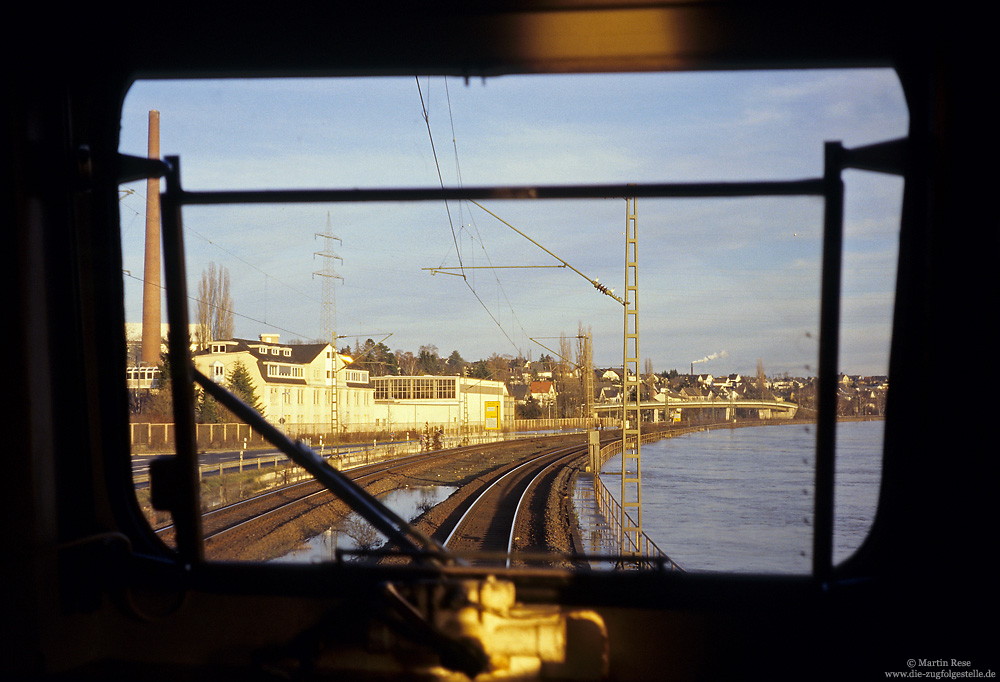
{"x":734,"y":278}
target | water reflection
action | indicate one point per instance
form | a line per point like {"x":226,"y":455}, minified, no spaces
{"x":352,"y":532}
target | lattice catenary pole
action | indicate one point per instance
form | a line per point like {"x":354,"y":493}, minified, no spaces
{"x":630,"y":532}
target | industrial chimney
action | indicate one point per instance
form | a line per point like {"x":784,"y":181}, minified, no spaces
{"x":151,"y":273}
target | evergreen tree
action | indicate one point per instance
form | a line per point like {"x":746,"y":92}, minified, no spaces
{"x":455,"y":362}
{"x":428,"y":361}
{"x":207,"y":410}
{"x":479,"y":370}
{"x":241,"y":384}
{"x":160,"y":406}
{"x":530,"y":410}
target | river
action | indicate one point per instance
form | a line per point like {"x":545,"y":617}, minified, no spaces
{"x":741,"y":500}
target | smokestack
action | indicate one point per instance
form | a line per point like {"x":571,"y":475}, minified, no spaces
{"x":151,"y":273}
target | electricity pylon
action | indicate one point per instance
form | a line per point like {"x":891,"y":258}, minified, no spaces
{"x":329,"y":313}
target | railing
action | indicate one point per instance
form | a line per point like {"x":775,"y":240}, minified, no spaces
{"x":564,"y":424}
{"x":645,"y":548}
{"x":642,"y":547}
{"x":147,"y":437}
{"x":341,"y":457}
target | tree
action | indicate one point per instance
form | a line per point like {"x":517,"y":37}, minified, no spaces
{"x":160,"y":406}
{"x":407,"y":362}
{"x":215,"y":306}
{"x":376,"y":358}
{"x":428,"y":361}
{"x":455,"y":363}
{"x":499,"y":367}
{"x":530,"y":410}
{"x":568,"y":388}
{"x":546,"y":361}
{"x":761,"y":383}
{"x":241,"y":384}
{"x":207,"y":410}
{"x":479,"y":370}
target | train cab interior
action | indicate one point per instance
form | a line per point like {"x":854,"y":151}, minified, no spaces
{"x":90,"y":593}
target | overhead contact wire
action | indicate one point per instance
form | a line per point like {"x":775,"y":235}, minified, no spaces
{"x":437,"y":164}
{"x":454,"y":237}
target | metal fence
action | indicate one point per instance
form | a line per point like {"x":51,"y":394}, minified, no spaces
{"x":160,"y":437}
{"x":339,"y":455}
{"x":643,"y":547}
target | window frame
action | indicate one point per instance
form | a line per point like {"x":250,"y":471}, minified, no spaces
{"x":883,"y":157}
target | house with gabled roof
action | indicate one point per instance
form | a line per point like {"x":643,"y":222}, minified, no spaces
{"x":302,"y":387}
{"x":544,"y":392}
{"x":611,"y":375}
{"x":519,"y":392}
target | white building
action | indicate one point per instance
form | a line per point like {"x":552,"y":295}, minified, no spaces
{"x":302,"y":387}
{"x":133,"y":339}
{"x":409,"y":403}
{"x":544,"y":392}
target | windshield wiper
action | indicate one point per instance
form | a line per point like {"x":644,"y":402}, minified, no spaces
{"x":397,"y":531}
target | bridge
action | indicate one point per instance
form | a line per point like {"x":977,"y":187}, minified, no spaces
{"x":674,"y":409}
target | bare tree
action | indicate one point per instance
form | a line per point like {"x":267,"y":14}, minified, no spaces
{"x":761,"y":380}
{"x":568,"y":387}
{"x":215,"y":306}
{"x":498,"y":367}
{"x":407,"y":362}
{"x":363,"y":533}
{"x":585,"y":362}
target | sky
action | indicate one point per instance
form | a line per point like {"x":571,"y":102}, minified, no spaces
{"x":723,"y":283}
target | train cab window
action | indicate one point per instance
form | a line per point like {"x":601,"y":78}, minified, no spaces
{"x":522,"y":302}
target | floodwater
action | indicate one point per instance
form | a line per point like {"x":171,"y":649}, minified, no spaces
{"x":741,"y":500}
{"x":408,"y":503}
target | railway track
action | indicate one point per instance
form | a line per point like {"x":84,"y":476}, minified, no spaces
{"x":516,"y":519}
{"x":248,"y":520}
{"x":493,"y":522}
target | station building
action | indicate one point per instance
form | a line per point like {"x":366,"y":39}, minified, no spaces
{"x":411,"y":403}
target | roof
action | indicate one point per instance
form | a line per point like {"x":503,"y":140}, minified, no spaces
{"x":518,"y":391}
{"x":279,"y":353}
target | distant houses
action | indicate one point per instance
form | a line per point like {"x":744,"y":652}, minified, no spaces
{"x":311,"y":385}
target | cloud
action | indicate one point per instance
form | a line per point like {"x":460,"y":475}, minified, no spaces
{"x":735,"y":274}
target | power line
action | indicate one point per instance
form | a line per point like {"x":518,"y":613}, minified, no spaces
{"x":437,"y":164}
{"x":454,"y":237}
{"x":240,"y":315}
{"x":596,"y":284}
{"x":187,"y":228}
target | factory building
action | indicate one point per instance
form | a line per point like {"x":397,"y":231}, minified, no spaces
{"x":411,"y":403}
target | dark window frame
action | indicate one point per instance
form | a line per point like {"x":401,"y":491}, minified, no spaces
{"x":882,"y":157}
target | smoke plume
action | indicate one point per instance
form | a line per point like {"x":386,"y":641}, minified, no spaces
{"x":713,"y":356}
